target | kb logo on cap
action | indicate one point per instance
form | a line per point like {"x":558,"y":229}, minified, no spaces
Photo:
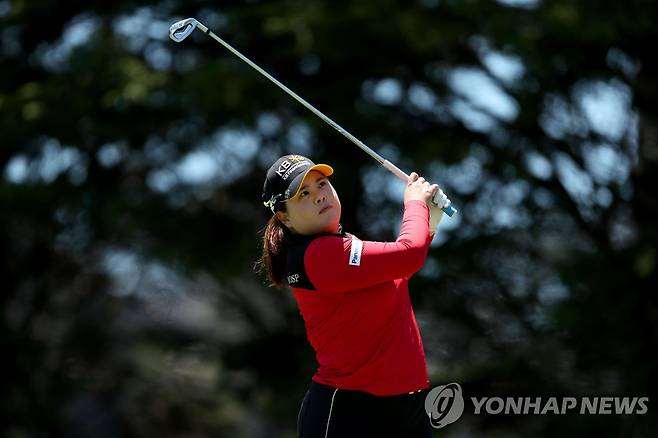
{"x":289,"y":164}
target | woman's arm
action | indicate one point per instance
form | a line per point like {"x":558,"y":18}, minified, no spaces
{"x":336,"y":264}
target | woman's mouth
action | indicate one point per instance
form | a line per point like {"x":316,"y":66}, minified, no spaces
{"x":325,"y":208}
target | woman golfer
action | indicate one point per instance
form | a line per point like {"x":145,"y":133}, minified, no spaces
{"x":372,"y":377}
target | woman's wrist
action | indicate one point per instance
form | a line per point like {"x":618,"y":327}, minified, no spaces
{"x":412,"y":201}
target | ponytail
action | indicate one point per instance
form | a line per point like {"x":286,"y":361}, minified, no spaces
{"x":273,"y":261}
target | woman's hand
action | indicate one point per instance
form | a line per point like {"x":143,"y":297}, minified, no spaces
{"x":419,"y":189}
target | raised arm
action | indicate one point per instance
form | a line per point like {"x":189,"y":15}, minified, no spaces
{"x":336,"y":264}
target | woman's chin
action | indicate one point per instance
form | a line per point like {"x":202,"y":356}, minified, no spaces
{"x":332,"y":220}
{"x":330,"y":226}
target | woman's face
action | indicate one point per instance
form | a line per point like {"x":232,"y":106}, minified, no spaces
{"x":315,"y":209}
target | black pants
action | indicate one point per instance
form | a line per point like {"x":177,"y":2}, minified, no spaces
{"x":330,"y":412}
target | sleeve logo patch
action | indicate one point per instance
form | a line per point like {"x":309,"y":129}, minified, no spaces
{"x":355,"y":253}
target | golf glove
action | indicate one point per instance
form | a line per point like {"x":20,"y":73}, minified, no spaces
{"x":439,"y":201}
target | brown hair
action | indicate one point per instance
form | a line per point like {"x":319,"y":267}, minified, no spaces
{"x":273,"y":261}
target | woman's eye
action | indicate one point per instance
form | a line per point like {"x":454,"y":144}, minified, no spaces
{"x":323,"y":183}
{"x":303,"y":194}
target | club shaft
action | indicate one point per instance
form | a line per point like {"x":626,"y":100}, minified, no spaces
{"x":385,"y":163}
{"x":301,"y":100}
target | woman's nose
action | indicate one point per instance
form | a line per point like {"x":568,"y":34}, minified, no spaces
{"x":320,"y":199}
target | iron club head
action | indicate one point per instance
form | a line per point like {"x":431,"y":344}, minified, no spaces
{"x":182,"y":29}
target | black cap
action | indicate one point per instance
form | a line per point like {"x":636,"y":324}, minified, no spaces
{"x":285,"y":176}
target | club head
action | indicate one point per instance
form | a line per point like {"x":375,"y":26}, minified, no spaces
{"x":182,"y":29}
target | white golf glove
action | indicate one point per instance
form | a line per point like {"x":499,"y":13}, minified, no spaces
{"x":439,"y":201}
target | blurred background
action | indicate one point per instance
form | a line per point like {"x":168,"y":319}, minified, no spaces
{"x":130,"y":216}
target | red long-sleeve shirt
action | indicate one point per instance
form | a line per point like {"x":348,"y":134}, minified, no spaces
{"x":354,"y":299}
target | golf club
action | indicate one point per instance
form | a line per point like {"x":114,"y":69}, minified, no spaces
{"x":182,"y":29}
